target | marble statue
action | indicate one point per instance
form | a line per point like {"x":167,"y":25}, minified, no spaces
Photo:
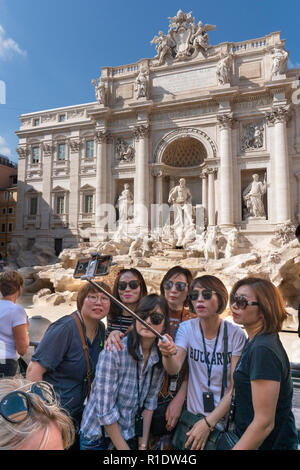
{"x":211,"y":243}
{"x":125,"y":202}
{"x":142,"y":83}
{"x":253,"y":195}
{"x":232,"y":243}
{"x":181,"y":199}
{"x":163,"y":46}
{"x":100,"y":91}
{"x":279,"y":62}
{"x":224,"y":69}
{"x":200,"y":36}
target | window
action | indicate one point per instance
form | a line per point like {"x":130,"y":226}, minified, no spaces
{"x":60,"y":205}
{"x":5,"y":195}
{"x":10,"y":227}
{"x":35,"y":155}
{"x":10,"y":210}
{"x":61,"y":152}
{"x":33,"y":206}
{"x":88,"y":204}
{"x":62,"y":118}
{"x":90,"y":149}
{"x":36,"y":122}
{"x":3,"y":228}
{"x":30,"y":243}
{"x":4,"y":211}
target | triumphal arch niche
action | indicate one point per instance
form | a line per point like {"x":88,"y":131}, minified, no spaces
{"x":209,"y":131}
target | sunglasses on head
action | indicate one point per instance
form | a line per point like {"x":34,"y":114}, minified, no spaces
{"x":241,"y":302}
{"x":122,"y":285}
{"x":206,"y":294}
{"x":179,"y":285}
{"x":16,"y":406}
{"x":156,"y":317}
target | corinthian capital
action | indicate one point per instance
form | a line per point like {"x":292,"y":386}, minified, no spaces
{"x":22,"y":152}
{"x":102,"y":137}
{"x":225,"y":120}
{"x":212,"y":171}
{"x":278,"y":114}
{"x":141,"y":131}
{"x":75,"y":145}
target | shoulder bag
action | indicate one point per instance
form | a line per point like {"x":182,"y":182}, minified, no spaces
{"x":217,"y":440}
{"x":85,"y":352}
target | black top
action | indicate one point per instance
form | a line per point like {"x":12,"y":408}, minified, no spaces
{"x":265,"y":358}
{"x":61,"y":353}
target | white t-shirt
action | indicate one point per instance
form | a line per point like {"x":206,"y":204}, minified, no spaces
{"x":189,"y":338}
{"x":11,"y":315}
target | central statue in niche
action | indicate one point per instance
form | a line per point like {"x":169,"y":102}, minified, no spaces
{"x":181,"y":199}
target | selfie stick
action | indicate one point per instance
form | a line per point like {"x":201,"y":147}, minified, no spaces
{"x":116,"y":301}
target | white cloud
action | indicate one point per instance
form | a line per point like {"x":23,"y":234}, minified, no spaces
{"x":4,"y":148}
{"x":8,"y":46}
{"x":294,"y":65}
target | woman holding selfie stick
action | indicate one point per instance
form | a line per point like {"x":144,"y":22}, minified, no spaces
{"x":201,"y":341}
{"x":124,"y":394}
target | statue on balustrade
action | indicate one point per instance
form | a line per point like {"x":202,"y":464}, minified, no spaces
{"x":279,"y":62}
{"x":224,"y":69}
{"x":181,"y":199}
{"x":142,"y":83}
{"x":100,"y":91}
{"x":253,"y":197}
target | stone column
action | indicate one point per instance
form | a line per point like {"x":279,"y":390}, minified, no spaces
{"x":158,"y":175}
{"x":298,"y":197}
{"x":226,"y":178}
{"x":211,"y":196}
{"x":74,"y":207}
{"x":23,"y":153}
{"x":141,"y":196}
{"x":101,"y":138}
{"x":278,"y":117}
{"x":203,"y":176}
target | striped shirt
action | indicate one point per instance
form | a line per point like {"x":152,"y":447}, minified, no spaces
{"x":122,"y":323}
{"x":114,"y":395}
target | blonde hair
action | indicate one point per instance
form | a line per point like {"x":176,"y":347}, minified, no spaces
{"x":41,"y":415}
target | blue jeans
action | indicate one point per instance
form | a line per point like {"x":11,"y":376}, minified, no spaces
{"x":97,"y":444}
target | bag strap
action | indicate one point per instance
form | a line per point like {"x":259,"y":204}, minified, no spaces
{"x":85,"y":352}
{"x":224,"y":379}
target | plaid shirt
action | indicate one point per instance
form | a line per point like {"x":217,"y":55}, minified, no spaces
{"x":114,"y":395}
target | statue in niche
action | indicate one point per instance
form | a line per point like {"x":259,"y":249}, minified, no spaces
{"x":124,"y":150}
{"x":100,"y":91}
{"x":253,"y":137}
{"x":181,"y":199}
{"x":163,"y":46}
{"x":142,"y":83}
{"x":224,"y":69}
{"x":279,"y":62}
{"x":253,"y":195}
{"x":125,"y":203}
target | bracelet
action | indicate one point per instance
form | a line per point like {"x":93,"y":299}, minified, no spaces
{"x":143,"y":446}
{"x":211,"y":428}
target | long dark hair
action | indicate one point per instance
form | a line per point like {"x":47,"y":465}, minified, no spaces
{"x":147,"y":304}
{"x":177,"y":270}
{"x":116,"y":312}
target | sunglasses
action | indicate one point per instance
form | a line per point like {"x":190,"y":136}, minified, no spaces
{"x":122,"y":285}
{"x":206,"y":294}
{"x":156,"y":317}
{"x":179,"y":285}
{"x":16,"y":406}
{"x":241,"y":302}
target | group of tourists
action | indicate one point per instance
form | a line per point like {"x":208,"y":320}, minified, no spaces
{"x":123,"y":388}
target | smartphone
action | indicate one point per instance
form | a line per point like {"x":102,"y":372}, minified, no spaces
{"x":95,"y":266}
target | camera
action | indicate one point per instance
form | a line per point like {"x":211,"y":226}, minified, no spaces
{"x":94,"y":266}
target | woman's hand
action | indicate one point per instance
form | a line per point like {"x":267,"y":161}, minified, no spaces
{"x":114,"y":339}
{"x":167,"y":348}
{"x":173,"y":412}
{"x":198,"y":435}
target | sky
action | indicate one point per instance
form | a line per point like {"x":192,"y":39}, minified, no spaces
{"x":50,"y":50}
